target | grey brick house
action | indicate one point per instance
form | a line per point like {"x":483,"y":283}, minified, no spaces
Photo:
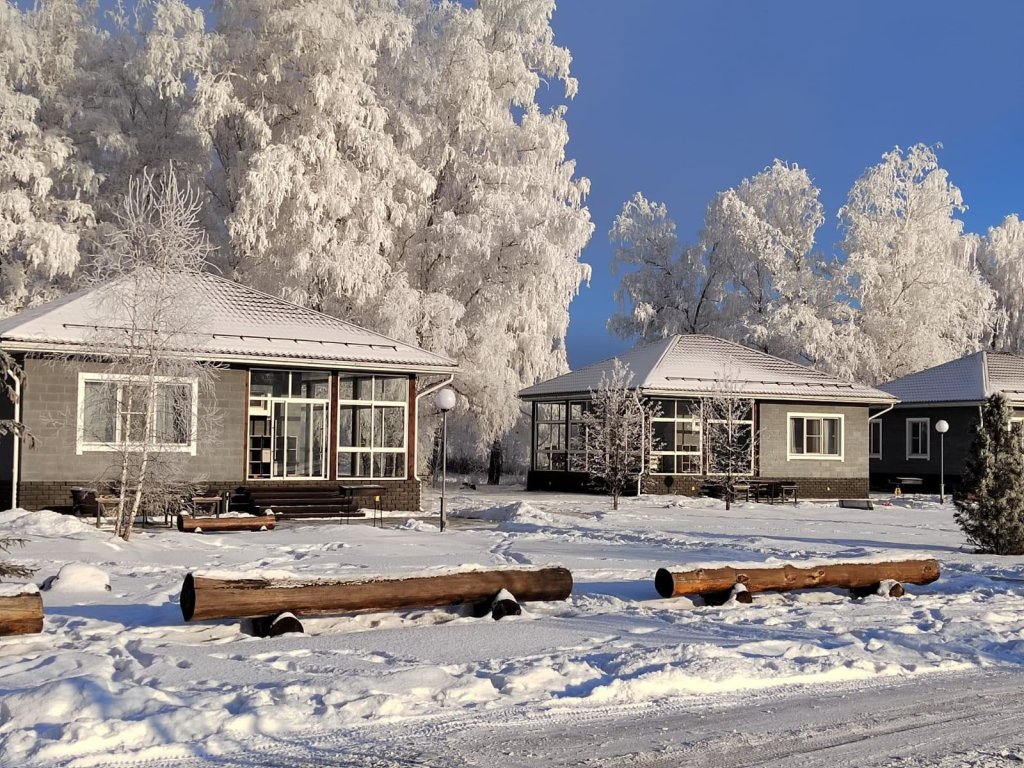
{"x":305,"y":400}
{"x":812,"y":428}
{"x":904,"y":442}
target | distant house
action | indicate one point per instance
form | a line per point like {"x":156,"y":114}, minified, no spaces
{"x":305,"y":400}
{"x":904,"y":442}
{"x":812,"y":428}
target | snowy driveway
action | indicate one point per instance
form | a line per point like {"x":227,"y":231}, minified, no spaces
{"x":612,"y":675}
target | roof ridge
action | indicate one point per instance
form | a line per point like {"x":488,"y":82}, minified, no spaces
{"x":318,"y":313}
{"x":791,"y":363}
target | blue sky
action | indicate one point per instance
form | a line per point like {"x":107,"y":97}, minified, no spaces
{"x":683,"y":99}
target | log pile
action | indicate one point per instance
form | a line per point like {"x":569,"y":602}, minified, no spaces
{"x":21,"y":613}
{"x":715,"y":585}
{"x":189,"y":524}
{"x":209,"y":597}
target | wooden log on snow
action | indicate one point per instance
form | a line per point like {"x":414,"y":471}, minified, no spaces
{"x":780,"y":579}
{"x":21,"y":612}
{"x":189,"y":524}
{"x":208,"y":597}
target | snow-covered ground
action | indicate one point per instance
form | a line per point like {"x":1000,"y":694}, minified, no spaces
{"x":117,"y":678}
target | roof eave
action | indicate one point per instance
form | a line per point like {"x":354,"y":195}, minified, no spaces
{"x":655,"y":392}
{"x":238,"y":359}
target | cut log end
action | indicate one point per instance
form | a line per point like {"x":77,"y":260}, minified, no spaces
{"x":21,"y":614}
{"x":664,"y":583}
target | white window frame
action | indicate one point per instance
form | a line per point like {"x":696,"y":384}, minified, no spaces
{"x":91,"y":446}
{"x":1015,"y":421}
{"x":694,"y":421}
{"x":791,"y":456}
{"x":563,"y":423}
{"x":373,"y":403}
{"x":927,"y":422}
{"x":872,"y":423}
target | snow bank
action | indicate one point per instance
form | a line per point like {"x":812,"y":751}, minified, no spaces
{"x":22,"y":523}
{"x":13,"y":590}
{"x":517,"y":512}
{"x":78,"y":577}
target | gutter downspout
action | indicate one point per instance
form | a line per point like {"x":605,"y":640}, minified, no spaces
{"x":16,"y":451}
{"x":882,"y":413}
{"x":428,"y":391}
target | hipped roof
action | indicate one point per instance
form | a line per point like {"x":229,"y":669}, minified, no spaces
{"x":695,"y":365}
{"x":235,"y":324}
{"x":968,"y":379}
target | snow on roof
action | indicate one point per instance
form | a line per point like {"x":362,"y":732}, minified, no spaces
{"x":967,"y":379}
{"x":696,"y":364}
{"x":237,"y":322}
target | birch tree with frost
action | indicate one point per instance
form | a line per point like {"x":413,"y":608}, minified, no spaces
{"x":909,"y":271}
{"x":147,"y":408}
{"x":390,"y":164}
{"x":42,"y":211}
{"x":617,"y":433}
{"x":1001,"y":259}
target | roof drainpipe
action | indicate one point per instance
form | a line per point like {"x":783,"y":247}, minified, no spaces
{"x":881,"y":413}
{"x":428,"y":391}
{"x":16,"y":452}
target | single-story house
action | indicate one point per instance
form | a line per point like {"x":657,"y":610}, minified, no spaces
{"x":904,"y":442}
{"x":811,"y":428}
{"x":305,"y":401}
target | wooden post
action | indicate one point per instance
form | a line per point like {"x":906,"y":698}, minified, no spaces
{"x":780,"y":579}
{"x":209,"y":597}
{"x":21,"y":612}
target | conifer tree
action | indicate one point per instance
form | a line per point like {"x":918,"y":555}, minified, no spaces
{"x":990,"y":500}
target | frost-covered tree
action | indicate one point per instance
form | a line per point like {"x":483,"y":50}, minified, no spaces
{"x":132,"y":97}
{"x":42,"y":183}
{"x":1001,"y":260}
{"x":668,"y":287}
{"x":150,"y":400}
{"x":753,"y":277}
{"x":990,"y":498}
{"x":617,"y":433}
{"x":390,"y":163}
{"x":909,"y":271}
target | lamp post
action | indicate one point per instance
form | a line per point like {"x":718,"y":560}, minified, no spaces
{"x":942,"y":427}
{"x":445,"y":401}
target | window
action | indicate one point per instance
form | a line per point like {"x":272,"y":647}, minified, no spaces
{"x":550,"y":436}
{"x":815,"y":436}
{"x":579,"y":459}
{"x":875,"y":438}
{"x":676,"y":438}
{"x":918,"y":434}
{"x":112,"y":413}
{"x":372,"y":426}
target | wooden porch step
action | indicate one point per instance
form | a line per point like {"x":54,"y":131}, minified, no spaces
{"x":307,"y":511}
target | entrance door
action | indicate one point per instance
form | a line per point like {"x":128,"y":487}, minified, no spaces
{"x":300,"y":441}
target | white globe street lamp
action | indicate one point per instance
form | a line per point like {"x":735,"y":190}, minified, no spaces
{"x":942,"y":427}
{"x":445,"y":401}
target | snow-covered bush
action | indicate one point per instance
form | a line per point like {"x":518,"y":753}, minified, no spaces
{"x":990,"y":499}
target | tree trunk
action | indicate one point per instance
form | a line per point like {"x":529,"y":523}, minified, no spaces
{"x":207,"y":597}
{"x":846,"y":575}
{"x":494,"y":465}
{"x":188,"y":524}
{"x":21,"y":614}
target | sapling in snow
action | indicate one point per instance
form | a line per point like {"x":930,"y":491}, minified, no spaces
{"x":617,"y":433}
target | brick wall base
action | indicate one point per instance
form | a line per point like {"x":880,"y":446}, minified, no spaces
{"x":400,"y":495}
{"x":807,"y":487}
